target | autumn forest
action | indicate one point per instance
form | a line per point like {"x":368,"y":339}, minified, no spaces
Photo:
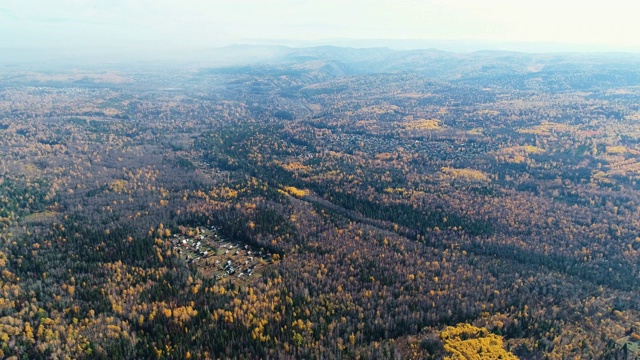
{"x":329,"y":203}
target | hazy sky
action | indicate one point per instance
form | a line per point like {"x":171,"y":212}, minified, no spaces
{"x":209,"y":23}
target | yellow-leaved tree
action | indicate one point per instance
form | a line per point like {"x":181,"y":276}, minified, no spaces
{"x":467,"y":342}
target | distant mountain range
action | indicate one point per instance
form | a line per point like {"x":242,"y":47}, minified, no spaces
{"x":493,"y":68}
{"x":548,"y":71}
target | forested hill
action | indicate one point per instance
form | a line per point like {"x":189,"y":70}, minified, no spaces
{"x":322,"y":203}
{"x":512,"y":70}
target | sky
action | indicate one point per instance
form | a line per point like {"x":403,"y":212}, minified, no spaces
{"x":198,"y":24}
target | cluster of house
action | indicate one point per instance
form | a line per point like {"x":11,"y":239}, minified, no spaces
{"x":230,"y":259}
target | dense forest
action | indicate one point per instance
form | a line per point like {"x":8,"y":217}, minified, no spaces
{"x":317,"y":207}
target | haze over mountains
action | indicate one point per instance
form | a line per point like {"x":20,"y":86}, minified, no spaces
{"x":491,"y":68}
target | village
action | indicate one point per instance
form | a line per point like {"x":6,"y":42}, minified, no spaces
{"x":218,"y":257}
